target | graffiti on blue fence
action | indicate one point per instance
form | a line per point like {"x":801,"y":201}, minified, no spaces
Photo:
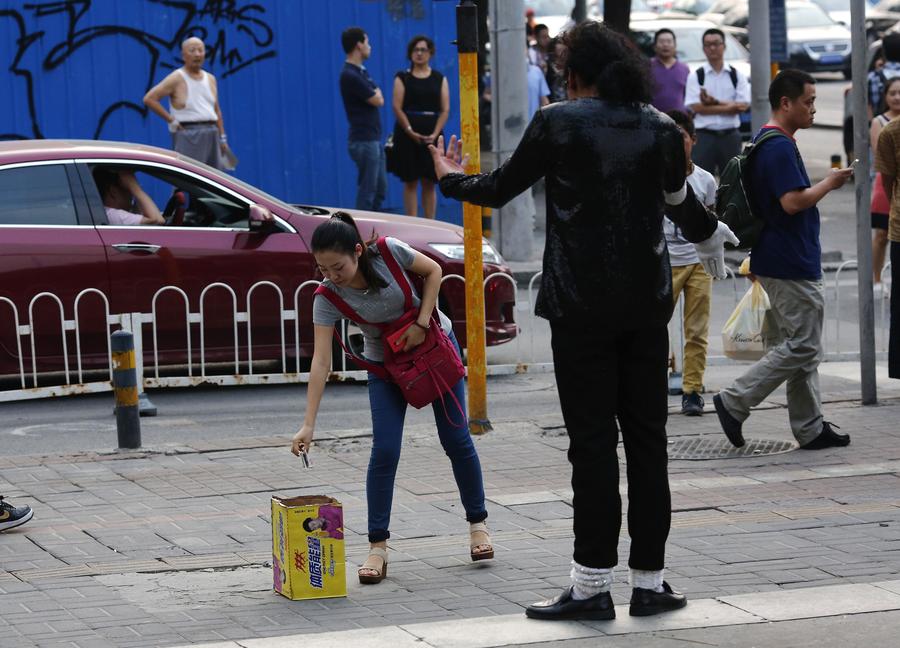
{"x":236,"y":34}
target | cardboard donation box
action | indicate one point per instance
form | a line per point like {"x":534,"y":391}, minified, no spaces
{"x":308,"y":547}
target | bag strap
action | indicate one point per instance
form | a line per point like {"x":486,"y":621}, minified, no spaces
{"x":352,"y":315}
{"x":342,"y":306}
{"x":376,"y":369}
{"x":701,"y":76}
{"x":397,"y":272}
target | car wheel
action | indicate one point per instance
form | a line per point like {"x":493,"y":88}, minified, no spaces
{"x":848,"y":73}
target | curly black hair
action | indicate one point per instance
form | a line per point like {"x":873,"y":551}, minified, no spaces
{"x":606,"y":59}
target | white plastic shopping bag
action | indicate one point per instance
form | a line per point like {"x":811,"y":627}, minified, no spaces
{"x":744,"y":334}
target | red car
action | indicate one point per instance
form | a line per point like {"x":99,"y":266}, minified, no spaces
{"x":55,"y":238}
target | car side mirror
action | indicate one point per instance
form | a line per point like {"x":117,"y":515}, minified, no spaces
{"x":261,"y":220}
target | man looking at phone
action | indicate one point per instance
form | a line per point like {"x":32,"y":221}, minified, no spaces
{"x":717,"y":94}
{"x":787,"y":261}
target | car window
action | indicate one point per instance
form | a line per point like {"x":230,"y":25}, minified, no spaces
{"x":36,"y":195}
{"x":203,"y":205}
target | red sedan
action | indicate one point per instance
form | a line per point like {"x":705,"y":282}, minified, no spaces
{"x":55,"y":238}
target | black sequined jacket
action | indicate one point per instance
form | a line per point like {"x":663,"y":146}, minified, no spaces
{"x":607,"y":167}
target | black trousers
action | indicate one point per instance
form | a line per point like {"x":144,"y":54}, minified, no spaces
{"x":605,"y":377}
{"x":894,"y":344}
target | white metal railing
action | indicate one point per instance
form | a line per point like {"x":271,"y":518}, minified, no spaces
{"x":290,"y":319}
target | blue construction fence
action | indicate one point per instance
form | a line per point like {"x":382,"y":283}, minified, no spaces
{"x":80,"y":68}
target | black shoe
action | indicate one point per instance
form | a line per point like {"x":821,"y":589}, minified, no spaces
{"x":827,"y":438}
{"x":564,"y":607}
{"x":12,"y":516}
{"x":692,"y":404}
{"x":730,"y":425}
{"x":646,"y":602}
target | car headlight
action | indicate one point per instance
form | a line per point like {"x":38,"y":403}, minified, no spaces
{"x":458,"y":251}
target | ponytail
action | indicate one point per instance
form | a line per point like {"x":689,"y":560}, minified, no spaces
{"x":340,"y":234}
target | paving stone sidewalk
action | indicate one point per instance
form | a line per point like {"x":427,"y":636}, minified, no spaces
{"x":172,"y":546}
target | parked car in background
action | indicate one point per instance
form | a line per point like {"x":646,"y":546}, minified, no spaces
{"x":55,"y":238}
{"x":689,"y":42}
{"x":877,"y":20}
{"x":816,"y":43}
{"x":691,"y":7}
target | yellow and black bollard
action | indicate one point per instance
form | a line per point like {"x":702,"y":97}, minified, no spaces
{"x":128,"y":421}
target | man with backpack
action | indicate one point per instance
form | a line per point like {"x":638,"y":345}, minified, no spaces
{"x":717,"y":94}
{"x":787,"y":260}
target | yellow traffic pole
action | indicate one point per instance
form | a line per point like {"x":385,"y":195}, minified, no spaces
{"x":467,"y":46}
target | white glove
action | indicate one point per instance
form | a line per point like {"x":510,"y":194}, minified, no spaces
{"x":712,"y":250}
{"x":174,"y":125}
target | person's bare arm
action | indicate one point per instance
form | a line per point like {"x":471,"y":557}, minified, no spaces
{"x":220,"y":123}
{"x":397,"y":107}
{"x":794,"y":202}
{"x":721,"y":108}
{"x":874,"y":131}
{"x":318,"y":374}
{"x":149,"y":211}
{"x":430,"y":271}
{"x":376,"y":99}
{"x":154,"y":96}
{"x":887,"y":181}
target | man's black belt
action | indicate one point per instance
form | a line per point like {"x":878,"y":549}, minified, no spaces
{"x":713,"y":131}
{"x":203,"y":123}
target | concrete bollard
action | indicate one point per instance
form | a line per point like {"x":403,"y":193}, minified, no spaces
{"x":128,"y":422}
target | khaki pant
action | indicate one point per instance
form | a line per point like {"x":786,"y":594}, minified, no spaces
{"x":793,"y":356}
{"x":697,"y":288}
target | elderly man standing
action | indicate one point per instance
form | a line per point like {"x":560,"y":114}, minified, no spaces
{"x":194,"y":117}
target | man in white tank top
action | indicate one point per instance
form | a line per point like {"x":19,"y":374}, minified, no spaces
{"x":194,"y":117}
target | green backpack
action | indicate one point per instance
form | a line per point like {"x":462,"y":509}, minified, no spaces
{"x":734,"y":205}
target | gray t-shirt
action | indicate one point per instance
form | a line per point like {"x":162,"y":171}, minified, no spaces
{"x":384,"y":305}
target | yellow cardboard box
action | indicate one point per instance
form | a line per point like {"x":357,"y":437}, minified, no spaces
{"x":308,"y":547}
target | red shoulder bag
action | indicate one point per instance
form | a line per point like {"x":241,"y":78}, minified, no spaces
{"x":424,"y":373}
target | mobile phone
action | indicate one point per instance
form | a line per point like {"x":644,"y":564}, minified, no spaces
{"x":305,"y":458}
{"x":394,"y":338}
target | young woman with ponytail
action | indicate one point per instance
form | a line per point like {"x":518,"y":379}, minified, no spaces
{"x":357,"y":273}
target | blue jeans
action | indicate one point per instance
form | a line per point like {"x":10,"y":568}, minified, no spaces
{"x":371,"y":179}
{"x":388,"y":411}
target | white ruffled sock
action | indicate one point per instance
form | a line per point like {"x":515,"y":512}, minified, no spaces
{"x":646,"y":579}
{"x":589,"y":581}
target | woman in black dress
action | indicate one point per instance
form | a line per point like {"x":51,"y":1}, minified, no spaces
{"x":421,"y":105}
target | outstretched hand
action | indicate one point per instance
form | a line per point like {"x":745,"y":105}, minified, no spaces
{"x":712,"y":250}
{"x":449,"y":160}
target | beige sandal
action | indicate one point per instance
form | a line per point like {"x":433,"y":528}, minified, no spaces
{"x":480,"y":546}
{"x":371,"y":564}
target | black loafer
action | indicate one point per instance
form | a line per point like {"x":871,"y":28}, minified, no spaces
{"x":646,"y":602}
{"x":564,"y":607}
{"x":730,"y":425}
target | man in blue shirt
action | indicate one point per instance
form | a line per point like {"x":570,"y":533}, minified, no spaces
{"x":362,"y":99}
{"x":787,"y":262}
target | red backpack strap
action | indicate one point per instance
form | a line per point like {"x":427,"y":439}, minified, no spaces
{"x":341,"y":305}
{"x":397,"y":271}
{"x":350,"y":314}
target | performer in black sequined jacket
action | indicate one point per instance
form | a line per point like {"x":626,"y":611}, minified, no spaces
{"x":613,"y":165}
